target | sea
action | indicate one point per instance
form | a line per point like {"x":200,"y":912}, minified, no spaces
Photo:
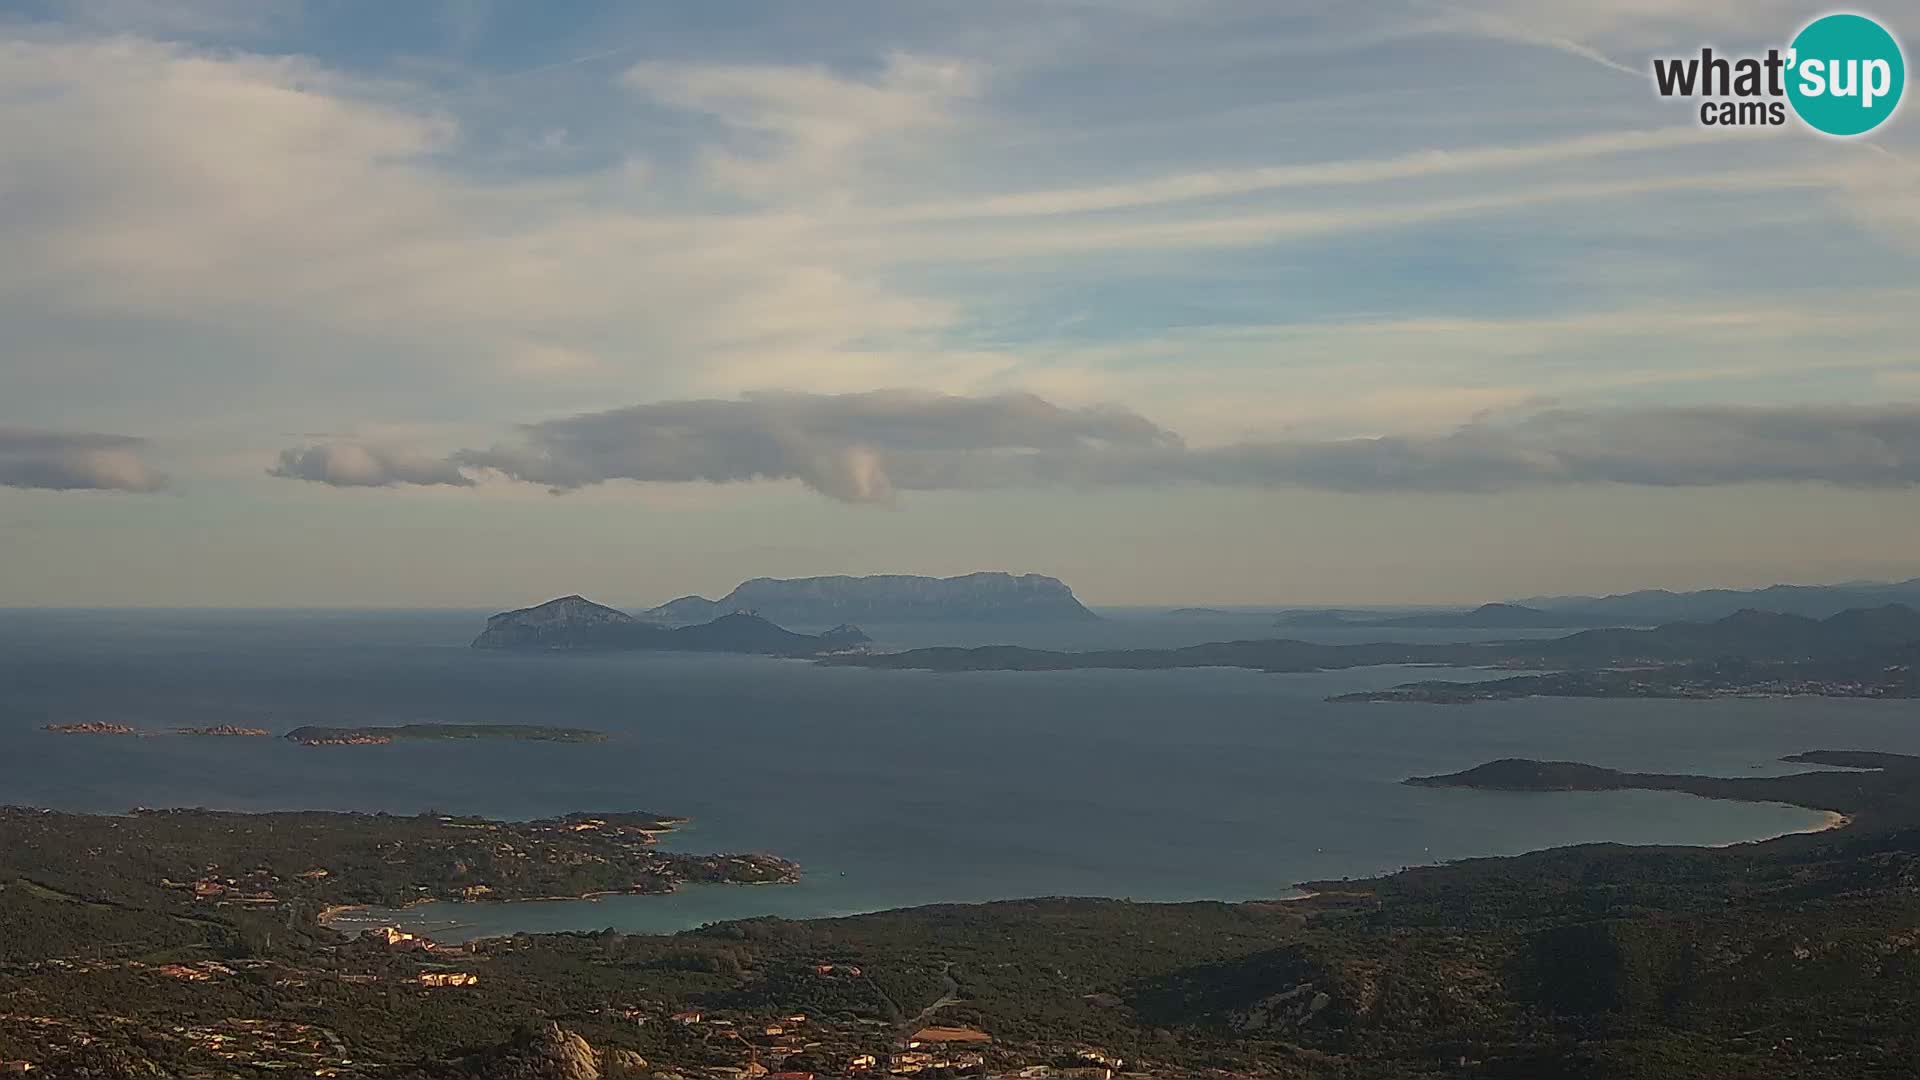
{"x":890,"y":788}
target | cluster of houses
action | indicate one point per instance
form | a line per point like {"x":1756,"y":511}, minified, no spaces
{"x":937,"y":1050}
{"x":199,"y":971}
{"x":254,"y":889}
{"x":394,"y":939}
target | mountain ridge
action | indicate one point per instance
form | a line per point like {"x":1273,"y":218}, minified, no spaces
{"x":1660,"y":605}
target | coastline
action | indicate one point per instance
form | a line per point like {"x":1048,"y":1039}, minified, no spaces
{"x":461,"y":930}
{"x":1831,"y":821}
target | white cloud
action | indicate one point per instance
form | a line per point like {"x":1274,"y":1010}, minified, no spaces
{"x":1187,"y":186}
{"x":274,"y":231}
{"x":157,"y":182}
{"x":797,"y":126}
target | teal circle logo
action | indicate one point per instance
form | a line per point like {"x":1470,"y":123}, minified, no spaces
{"x":1845,"y":74}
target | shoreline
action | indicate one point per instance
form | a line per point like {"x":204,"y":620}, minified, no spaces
{"x":1831,"y":821}
{"x":328,"y":916}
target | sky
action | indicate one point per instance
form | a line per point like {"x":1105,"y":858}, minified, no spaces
{"x":467,"y":303}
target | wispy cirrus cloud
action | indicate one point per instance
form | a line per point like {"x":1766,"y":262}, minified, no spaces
{"x":789,"y":127}
{"x":74,"y":461}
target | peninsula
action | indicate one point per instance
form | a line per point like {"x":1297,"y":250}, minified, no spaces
{"x":576,"y":623}
{"x":312,"y":860}
{"x":1855,"y":782}
{"x":1874,"y":647}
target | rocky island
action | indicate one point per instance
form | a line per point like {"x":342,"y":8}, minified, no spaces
{"x":93,"y":727}
{"x":224,"y":730}
{"x":821,"y":601}
{"x":576,"y":623}
{"x":375,"y":736}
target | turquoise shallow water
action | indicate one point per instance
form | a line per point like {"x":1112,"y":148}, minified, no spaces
{"x":890,"y":788}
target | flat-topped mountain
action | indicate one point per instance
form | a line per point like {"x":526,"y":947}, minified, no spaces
{"x":982,"y":597}
{"x":574,"y":622}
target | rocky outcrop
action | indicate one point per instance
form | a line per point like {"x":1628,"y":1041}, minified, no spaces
{"x":816,"y":601}
{"x":554,"y":624}
{"x":548,"y":1052}
{"x":624,"y":1065}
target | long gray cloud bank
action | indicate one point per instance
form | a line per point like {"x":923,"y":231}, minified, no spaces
{"x":869,"y":447}
{"x":74,"y":461}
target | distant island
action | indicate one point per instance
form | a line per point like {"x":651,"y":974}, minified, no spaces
{"x":371,"y":736}
{"x":820,"y":601}
{"x":102,"y":727}
{"x":1880,"y":674}
{"x":576,"y":623}
{"x":1862,"y":652}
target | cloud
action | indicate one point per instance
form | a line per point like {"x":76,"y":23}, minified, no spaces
{"x":73,"y":461}
{"x":853,"y":447}
{"x":1225,"y":183}
{"x":347,"y":464}
{"x":1858,"y":447}
{"x":806,"y":123}
{"x":866,"y":448}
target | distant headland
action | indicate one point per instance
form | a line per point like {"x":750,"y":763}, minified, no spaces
{"x":1862,"y":652}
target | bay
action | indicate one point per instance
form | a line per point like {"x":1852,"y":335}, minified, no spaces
{"x":890,"y":788}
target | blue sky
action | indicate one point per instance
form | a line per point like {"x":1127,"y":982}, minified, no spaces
{"x":1212,"y":302}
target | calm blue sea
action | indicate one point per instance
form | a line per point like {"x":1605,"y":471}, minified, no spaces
{"x":891,"y":788}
